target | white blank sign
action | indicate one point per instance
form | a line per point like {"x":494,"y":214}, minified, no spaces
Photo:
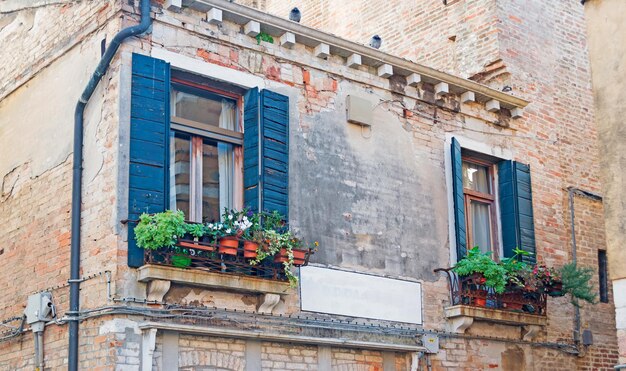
{"x":333,"y":291}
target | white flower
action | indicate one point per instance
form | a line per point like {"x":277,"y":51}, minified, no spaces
{"x":245,"y":218}
{"x":228,"y":230}
{"x":210,"y":225}
{"x":230,"y":217}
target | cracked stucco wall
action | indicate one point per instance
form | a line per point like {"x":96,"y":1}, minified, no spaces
{"x":359,"y":190}
{"x":606,"y":29}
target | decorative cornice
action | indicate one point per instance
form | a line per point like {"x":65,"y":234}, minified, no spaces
{"x":325,"y":43}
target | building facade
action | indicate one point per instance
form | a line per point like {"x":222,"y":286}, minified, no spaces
{"x":371,"y":150}
{"x":607,"y":55}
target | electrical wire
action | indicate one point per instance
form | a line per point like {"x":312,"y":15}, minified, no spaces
{"x":15,"y":331}
{"x":255,"y":319}
{"x":177,"y":311}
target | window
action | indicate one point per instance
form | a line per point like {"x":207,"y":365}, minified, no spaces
{"x":603,"y":276}
{"x":479,"y":203}
{"x":492,"y":204}
{"x":205,"y":154}
{"x":187,"y":151}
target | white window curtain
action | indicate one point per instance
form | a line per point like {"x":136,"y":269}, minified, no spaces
{"x":225,"y":155}
{"x":481,"y":226}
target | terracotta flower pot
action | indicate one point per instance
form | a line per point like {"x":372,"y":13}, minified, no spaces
{"x":197,"y":245}
{"x":480,"y":302}
{"x":479,"y":298}
{"x":513,"y":300}
{"x":250,"y":249}
{"x":228,"y":245}
{"x":556,"y":289}
{"x":298,"y":257}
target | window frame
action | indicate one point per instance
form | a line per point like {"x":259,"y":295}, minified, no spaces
{"x":486,"y":198}
{"x":603,"y":276}
{"x":198,"y":133}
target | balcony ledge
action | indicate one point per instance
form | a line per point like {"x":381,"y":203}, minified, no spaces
{"x":461,"y":317}
{"x":159,"y":279}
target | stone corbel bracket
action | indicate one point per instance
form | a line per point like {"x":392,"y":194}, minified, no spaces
{"x":459,"y":324}
{"x":461,"y":317}
{"x":159,"y":280}
{"x":269,"y":303}
{"x":156,"y":290}
{"x":530,"y":332}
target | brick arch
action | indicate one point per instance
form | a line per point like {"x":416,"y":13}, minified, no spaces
{"x":355,"y":367}
{"x":207,"y":360}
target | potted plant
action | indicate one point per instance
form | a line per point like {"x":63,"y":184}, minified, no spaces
{"x":160,"y":230}
{"x":267,"y":230}
{"x":292,"y":251}
{"x":274,"y":243}
{"x":196,"y":237}
{"x":252,"y":236}
{"x":575,"y":281}
{"x":291,"y":245}
{"x":163,"y":230}
{"x":550,"y":279}
{"x":481,"y":272}
{"x":228,"y":233}
{"x":181,"y":260}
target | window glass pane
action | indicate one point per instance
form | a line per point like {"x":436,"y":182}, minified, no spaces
{"x":476,"y":177}
{"x":481,"y":225}
{"x":219,"y":112}
{"x":180,"y":171}
{"x":217,"y":175}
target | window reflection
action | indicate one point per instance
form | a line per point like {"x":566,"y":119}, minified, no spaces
{"x":180,"y":171}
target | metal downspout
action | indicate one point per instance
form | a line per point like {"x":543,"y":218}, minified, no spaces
{"x":74,"y":280}
{"x":571,"y":192}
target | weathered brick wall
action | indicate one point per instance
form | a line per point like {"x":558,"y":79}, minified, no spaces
{"x":34,"y":36}
{"x":50,"y":52}
{"x":535,"y":139}
{"x":356,"y":360}
{"x":276,"y":356}
{"x":460,"y":38}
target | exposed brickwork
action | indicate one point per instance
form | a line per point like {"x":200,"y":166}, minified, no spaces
{"x":200,"y":351}
{"x":356,"y":360}
{"x":461,"y":38}
{"x":32,"y":41}
{"x":278,"y":357}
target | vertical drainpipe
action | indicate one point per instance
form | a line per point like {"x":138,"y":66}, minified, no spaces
{"x":75,"y":280}
{"x":571,"y":192}
{"x":573,"y":231}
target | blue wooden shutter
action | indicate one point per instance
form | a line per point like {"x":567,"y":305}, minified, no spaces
{"x":266,"y":151}
{"x":251,"y":163}
{"x":516,"y":209}
{"x":459,"y":199}
{"x":275,"y":152}
{"x":149,"y":138}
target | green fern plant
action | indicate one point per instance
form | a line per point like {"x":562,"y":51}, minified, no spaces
{"x":160,"y":230}
{"x":262,"y":36}
{"x":195,"y":229}
{"x":478,"y":262}
{"x":576,"y":283}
